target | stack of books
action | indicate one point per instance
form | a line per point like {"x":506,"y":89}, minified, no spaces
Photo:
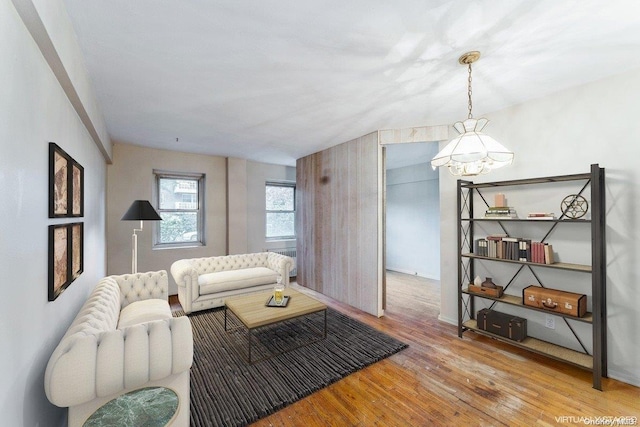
{"x":500,"y":212}
{"x":514,"y":248}
{"x":541,"y":215}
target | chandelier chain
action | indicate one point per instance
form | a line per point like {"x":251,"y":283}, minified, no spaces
{"x":472,"y":152}
{"x":469,"y":93}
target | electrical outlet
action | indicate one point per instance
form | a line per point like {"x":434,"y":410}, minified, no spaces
{"x":550,"y":322}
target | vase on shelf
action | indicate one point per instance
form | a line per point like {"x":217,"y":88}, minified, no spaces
{"x":488,"y":283}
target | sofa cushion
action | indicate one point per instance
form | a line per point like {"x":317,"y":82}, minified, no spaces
{"x":235,"y":279}
{"x":143,"y":311}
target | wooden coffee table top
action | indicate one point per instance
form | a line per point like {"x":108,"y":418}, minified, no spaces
{"x":252,"y":310}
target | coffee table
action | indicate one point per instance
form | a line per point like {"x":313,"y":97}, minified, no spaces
{"x":252,"y":311}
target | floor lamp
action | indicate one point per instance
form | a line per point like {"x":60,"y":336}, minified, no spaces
{"x":140,"y":210}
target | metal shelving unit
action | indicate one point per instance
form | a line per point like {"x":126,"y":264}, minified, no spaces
{"x":594,"y":180}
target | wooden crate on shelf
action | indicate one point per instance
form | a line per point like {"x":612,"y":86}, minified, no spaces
{"x":482,"y":290}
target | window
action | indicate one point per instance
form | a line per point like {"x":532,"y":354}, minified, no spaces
{"x":180,"y":202}
{"x":281,"y":211}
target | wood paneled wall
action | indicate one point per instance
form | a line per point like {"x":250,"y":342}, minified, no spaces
{"x":339,"y":223}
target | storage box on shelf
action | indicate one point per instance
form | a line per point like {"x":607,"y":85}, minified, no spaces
{"x":481,"y":290}
{"x":503,"y":248}
{"x":502,"y":324}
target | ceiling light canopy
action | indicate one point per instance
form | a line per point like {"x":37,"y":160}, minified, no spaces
{"x":472,"y":152}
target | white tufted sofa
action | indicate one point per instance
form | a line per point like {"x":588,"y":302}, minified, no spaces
{"x":205,"y":282}
{"x":124,"y":338}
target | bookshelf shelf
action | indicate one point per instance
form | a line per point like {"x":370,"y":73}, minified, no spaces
{"x":527,"y":181}
{"x":559,"y":265}
{"x":542,"y":221}
{"x":596,"y":319}
{"x":517,"y":301}
{"x":545,"y":348}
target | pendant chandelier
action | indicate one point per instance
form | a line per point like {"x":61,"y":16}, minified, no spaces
{"x":472,"y":152}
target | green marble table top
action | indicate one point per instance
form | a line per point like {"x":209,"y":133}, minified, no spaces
{"x":146,"y":407}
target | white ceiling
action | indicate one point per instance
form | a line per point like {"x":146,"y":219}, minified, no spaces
{"x":274,"y":80}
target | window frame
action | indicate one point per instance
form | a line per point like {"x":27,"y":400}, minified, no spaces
{"x":288,"y":184}
{"x":200,"y":224}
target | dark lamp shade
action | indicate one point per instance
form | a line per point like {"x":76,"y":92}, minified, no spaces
{"x":141,"y":210}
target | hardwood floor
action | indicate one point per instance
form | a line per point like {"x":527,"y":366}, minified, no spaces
{"x":444,"y":380}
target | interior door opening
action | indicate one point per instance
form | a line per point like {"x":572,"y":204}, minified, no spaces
{"x":412,"y":215}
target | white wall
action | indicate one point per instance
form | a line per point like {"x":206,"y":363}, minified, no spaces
{"x":257,"y":175}
{"x":413,"y":221}
{"x":34,"y":110}
{"x":563,"y":134}
{"x":50,"y":27}
{"x":237,"y":241}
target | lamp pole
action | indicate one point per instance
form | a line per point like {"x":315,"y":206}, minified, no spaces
{"x":134,"y":248}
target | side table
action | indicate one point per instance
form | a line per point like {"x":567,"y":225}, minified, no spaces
{"x":148,"y":407}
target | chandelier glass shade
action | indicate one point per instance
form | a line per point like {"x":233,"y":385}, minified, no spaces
{"x":472,"y":152}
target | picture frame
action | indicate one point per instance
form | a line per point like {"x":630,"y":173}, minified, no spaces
{"x":58,"y":181}
{"x":66,"y":184}
{"x":77,"y":249}
{"x":77,"y":189}
{"x":66,"y":256}
{"x":59,"y":278}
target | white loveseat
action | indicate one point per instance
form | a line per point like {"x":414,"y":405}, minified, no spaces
{"x":124,"y":338}
{"x":204,"y":283}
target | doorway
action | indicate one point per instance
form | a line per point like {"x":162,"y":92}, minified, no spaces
{"x":412,"y":212}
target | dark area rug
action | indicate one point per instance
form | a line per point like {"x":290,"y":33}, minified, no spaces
{"x":227,"y":391}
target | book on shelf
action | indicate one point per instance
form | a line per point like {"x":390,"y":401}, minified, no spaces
{"x":541,"y":215}
{"x":524,"y":251}
{"x":510,"y":248}
{"x":542,"y":253}
{"x":499,"y":212}
{"x":497,"y":236}
{"x":481,"y":247}
{"x":514,"y":249}
{"x":536,"y":252}
{"x":548,"y":254}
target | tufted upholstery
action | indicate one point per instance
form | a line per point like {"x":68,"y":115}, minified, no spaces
{"x":95,"y":361}
{"x":186,"y":273}
{"x":141,"y":286}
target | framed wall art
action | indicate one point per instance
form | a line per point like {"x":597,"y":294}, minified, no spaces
{"x":66,"y":184}
{"x":77,"y":249}
{"x":77,"y":189}
{"x":66,"y":257}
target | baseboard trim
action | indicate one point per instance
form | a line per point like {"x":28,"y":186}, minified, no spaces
{"x":412,"y":273}
{"x":448,"y":320}
{"x":625,"y":377}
